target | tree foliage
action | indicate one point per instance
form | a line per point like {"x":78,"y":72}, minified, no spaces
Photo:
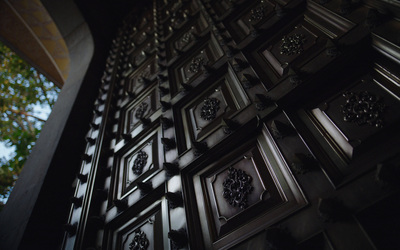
{"x":24,"y":92}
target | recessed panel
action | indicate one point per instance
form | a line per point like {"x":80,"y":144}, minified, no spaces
{"x":203,"y":114}
{"x":177,"y":15}
{"x":140,"y":79}
{"x":144,"y":34}
{"x":141,"y":237}
{"x":188,"y":70}
{"x":240,"y":185}
{"x":134,"y":113}
{"x":141,"y":54}
{"x":185,"y":39}
{"x":138,"y":162}
{"x":249,"y":19}
{"x":359,"y":112}
{"x":248,"y":188}
{"x":353,"y":121}
{"x":143,"y":231}
{"x":291,"y":46}
{"x":298,"y":48}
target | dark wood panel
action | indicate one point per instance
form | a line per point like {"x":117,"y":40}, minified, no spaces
{"x":267,"y":191}
{"x":247,"y":124}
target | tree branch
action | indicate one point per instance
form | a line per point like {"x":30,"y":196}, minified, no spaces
{"x":19,"y":122}
{"x":30,"y":125}
{"x":40,"y":84}
{"x":19,"y":112}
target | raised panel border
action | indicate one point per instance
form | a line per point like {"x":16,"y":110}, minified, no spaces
{"x":202,"y":218}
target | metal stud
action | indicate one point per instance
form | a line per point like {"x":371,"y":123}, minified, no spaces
{"x":174,"y":199}
{"x":303,"y":163}
{"x":228,"y":125}
{"x":70,"y":229}
{"x":261,"y":102}
{"x":121,"y":204}
{"x":281,"y":130}
{"x":94,"y":126}
{"x":199,"y":148}
{"x":163,"y":91}
{"x":145,"y":187}
{"x":90,"y":140}
{"x":168,"y":143}
{"x":76,"y":201}
{"x":171,"y":169}
{"x":186,"y":87}
{"x":82,"y":177}
{"x":98,"y":112}
{"x":178,"y":238}
{"x":166,"y":123}
{"x":165,"y":106}
{"x":87,"y":158}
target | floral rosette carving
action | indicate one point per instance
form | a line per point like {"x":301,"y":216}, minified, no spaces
{"x":257,"y":13}
{"x":185,"y":39}
{"x":209,"y":109}
{"x":363,"y":108}
{"x":196,"y":64}
{"x":141,"y":110}
{"x":140,"y":162}
{"x":236,"y":187}
{"x":292,"y":44}
{"x":139,"y":241}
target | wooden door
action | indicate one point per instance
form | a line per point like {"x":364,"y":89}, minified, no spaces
{"x":245,"y":125}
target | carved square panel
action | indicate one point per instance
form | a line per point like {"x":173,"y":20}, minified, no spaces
{"x":140,"y":38}
{"x":298,"y":47}
{"x":186,"y":71}
{"x":203,"y":114}
{"x":139,"y":55}
{"x":143,"y":231}
{"x":177,"y":15}
{"x":141,"y":109}
{"x":243,"y":23}
{"x":360,"y":111}
{"x":356,"y":120}
{"x":292,"y":45}
{"x":140,"y":79}
{"x":185,"y":39}
{"x":137,"y":162}
{"x":144,"y":33}
{"x":244,"y":191}
{"x":239,"y":185}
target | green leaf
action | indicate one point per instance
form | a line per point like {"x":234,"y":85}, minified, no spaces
{"x":22,"y":90}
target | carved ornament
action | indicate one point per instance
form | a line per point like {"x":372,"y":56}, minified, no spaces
{"x":236,"y":187}
{"x":210,"y":108}
{"x":363,"y":108}
{"x":257,"y":13}
{"x":140,"y":58}
{"x":140,"y":162}
{"x":196,"y":64}
{"x":292,"y":44}
{"x":139,"y":241}
{"x":185,"y":39}
{"x":141,"y":110}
